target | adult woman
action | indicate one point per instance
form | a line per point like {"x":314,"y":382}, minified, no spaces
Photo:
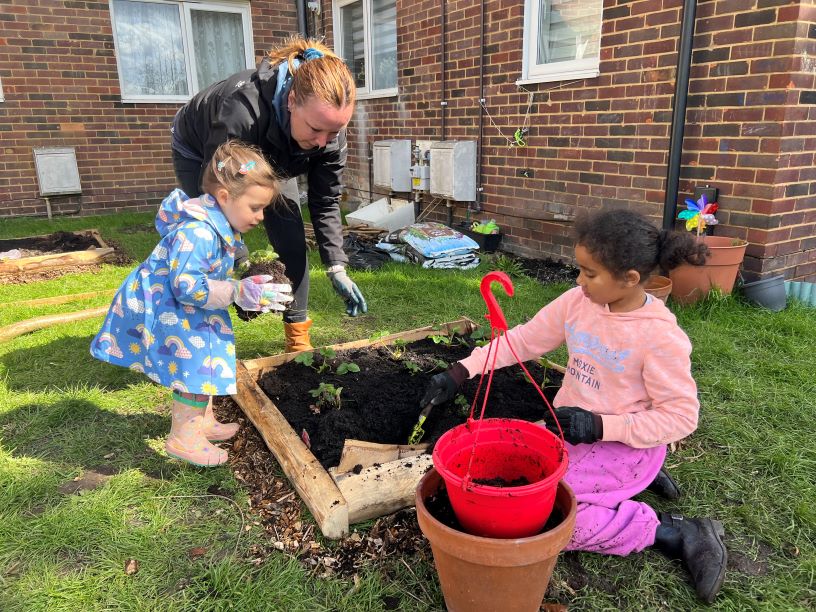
{"x":295,"y":107}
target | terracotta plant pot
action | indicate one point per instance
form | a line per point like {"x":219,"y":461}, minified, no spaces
{"x":493,"y":574}
{"x":690,"y":283}
{"x":659,"y":286}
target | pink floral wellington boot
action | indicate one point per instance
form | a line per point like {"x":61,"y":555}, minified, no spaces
{"x":187,"y":440}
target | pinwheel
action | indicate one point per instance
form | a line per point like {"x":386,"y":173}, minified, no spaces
{"x":699,"y":214}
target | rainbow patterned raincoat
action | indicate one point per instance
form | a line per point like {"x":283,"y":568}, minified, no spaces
{"x":156,"y":324}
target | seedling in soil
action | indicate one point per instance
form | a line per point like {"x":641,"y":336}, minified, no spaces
{"x":327,"y":354}
{"x":263,"y":255}
{"x":396,"y":350}
{"x":347,"y":366}
{"x":441,"y":364}
{"x":442,"y":339}
{"x":480,"y":336}
{"x":453,"y":340}
{"x":413,"y":367}
{"x":260,"y":262}
{"x":462,"y":405}
{"x":327,"y":395}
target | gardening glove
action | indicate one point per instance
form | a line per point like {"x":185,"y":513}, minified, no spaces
{"x":443,"y":386}
{"x":256,"y":293}
{"x":348,"y":290}
{"x":580,"y":426}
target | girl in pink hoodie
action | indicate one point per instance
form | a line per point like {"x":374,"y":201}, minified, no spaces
{"x":627,"y":393}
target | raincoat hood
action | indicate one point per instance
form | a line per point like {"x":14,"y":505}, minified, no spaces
{"x":177,"y":209}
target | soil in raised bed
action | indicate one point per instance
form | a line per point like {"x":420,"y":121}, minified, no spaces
{"x":381,"y":402}
{"x":58,"y":242}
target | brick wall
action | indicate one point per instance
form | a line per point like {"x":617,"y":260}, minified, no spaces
{"x":604,"y":141}
{"x":61,"y":86}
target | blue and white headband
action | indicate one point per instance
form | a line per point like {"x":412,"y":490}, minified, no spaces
{"x":312,"y":53}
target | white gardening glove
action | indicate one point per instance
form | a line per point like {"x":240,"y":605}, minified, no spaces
{"x":254,"y":293}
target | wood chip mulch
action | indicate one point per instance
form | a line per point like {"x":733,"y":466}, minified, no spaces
{"x":277,"y":509}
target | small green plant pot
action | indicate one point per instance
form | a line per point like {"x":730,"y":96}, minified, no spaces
{"x":804,"y":292}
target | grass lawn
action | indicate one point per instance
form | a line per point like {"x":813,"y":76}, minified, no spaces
{"x":64,"y":542}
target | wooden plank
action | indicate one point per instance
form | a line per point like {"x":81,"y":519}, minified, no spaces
{"x":263,"y":365}
{"x":314,"y":485}
{"x":55,"y":260}
{"x":59,"y":299}
{"x":366,"y":454}
{"x":23,"y":327}
{"x":383,"y":488}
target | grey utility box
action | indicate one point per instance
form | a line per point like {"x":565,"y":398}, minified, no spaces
{"x":453,"y":170}
{"x":57,"y":172}
{"x":392,"y":165}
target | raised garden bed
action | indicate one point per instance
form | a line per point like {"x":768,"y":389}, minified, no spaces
{"x":358,"y":464}
{"x":57,"y":250}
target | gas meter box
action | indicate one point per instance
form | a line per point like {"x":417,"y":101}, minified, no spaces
{"x":392,"y":165}
{"x":453,"y":170}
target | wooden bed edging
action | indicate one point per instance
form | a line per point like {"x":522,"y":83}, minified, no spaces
{"x":343,"y":499}
{"x":59,"y":260}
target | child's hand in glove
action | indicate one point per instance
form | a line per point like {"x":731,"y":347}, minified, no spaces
{"x":257,"y":293}
{"x":580,"y":426}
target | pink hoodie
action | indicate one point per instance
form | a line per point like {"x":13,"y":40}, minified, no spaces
{"x":632,"y":368}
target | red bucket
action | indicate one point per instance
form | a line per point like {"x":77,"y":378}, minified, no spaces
{"x":506,"y":449}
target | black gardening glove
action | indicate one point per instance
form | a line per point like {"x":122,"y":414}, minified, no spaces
{"x":443,"y":386}
{"x":580,"y":426}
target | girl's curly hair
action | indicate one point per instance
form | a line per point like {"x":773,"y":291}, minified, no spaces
{"x":622,"y":240}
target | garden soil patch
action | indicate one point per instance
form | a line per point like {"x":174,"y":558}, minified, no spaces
{"x":58,"y":242}
{"x":548,"y":270}
{"x":381,"y":402}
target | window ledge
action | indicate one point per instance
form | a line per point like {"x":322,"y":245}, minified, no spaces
{"x":373,"y":95}
{"x":155,"y":100}
{"x":568,"y":75}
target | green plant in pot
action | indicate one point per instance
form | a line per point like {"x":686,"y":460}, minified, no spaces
{"x":692,"y":283}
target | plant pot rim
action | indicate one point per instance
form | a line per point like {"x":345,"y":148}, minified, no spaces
{"x":567,"y":523}
{"x":762,"y":281}
{"x":717,"y":242}
{"x":656,"y":281}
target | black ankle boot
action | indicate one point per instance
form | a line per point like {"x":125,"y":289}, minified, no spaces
{"x":664,"y":486}
{"x":698,"y":542}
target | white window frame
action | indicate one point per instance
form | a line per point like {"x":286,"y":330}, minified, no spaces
{"x":2,"y":97}
{"x":363,"y":93}
{"x":185,"y":8}
{"x":533,"y":72}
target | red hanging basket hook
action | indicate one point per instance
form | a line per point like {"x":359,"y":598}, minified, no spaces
{"x":494,"y":312}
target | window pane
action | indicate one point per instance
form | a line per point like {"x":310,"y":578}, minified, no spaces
{"x":218,"y":45}
{"x":150,"y":48}
{"x":384,"y":43}
{"x":568,"y":30}
{"x":351,"y":16}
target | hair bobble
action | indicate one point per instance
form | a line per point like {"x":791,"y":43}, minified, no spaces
{"x":246,"y":167}
{"x":312,"y":53}
{"x":220,"y":165}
